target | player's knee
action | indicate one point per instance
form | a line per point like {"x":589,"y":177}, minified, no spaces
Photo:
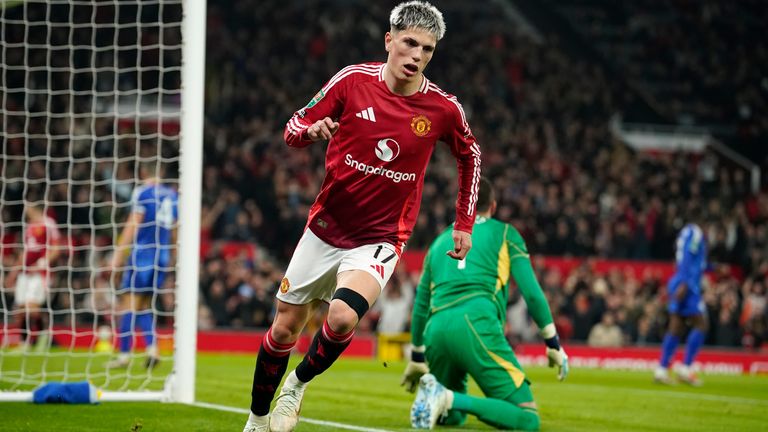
{"x":346,"y":310}
{"x":341,"y":318}
{"x":289,"y":321}
{"x":284,"y":332}
{"x":531,"y":421}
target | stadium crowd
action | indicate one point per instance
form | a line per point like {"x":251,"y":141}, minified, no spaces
{"x":657,"y":44}
{"x":541,"y":118}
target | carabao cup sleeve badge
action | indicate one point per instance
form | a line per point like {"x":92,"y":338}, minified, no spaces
{"x":317,"y":98}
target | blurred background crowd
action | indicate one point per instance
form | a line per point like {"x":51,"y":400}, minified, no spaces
{"x":540,"y":99}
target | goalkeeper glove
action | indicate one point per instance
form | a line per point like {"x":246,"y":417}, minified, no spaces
{"x":415,"y":369}
{"x":557,"y":357}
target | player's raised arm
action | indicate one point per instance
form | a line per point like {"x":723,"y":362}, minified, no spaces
{"x":467,"y":152}
{"x":128,"y":234}
{"x":317,"y":120}
{"x":522,"y":272}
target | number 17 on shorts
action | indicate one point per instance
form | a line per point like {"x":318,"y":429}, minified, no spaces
{"x":379,"y":260}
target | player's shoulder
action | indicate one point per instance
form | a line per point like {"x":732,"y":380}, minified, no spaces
{"x":49,"y":222}
{"x":691,"y":230}
{"x":509,"y":231}
{"x":166,"y":190}
{"x":448,"y":102}
{"x":445,"y":98}
{"x":370,"y":71}
{"x":143,"y":192}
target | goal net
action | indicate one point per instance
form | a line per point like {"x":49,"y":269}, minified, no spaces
{"x":90,"y":111}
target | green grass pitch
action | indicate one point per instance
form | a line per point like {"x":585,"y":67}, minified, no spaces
{"x":365,"y":394}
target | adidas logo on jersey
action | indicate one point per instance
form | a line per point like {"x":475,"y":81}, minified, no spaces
{"x":367,"y":114}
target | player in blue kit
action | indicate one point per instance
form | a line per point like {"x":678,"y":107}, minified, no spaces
{"x":149,"y":240}
{"x":685,"y":305}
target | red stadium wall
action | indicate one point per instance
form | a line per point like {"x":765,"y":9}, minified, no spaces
{"x":242,"y":341}
{"x":413,"y":261}
{"x":250,"y":341}
{"x":716,"y":361}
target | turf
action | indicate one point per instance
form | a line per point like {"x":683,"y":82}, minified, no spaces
{"x":364,"y":393}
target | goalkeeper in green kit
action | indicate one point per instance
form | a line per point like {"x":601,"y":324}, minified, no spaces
{"x":457,"y":329}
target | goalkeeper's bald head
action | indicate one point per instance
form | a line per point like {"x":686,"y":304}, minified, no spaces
{"x":486,"y":197}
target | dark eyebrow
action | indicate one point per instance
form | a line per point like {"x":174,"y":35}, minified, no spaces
{"x":413,"y":41}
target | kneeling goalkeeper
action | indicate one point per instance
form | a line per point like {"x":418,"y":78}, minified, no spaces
{"x":458,"y":329}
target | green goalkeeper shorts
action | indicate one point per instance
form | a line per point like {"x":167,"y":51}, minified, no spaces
{"x":469,"y":340}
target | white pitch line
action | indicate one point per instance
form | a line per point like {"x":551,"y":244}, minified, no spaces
{"x":303,"y":419}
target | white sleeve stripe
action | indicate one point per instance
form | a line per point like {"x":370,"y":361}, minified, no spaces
{"x":455,"y":101}
{"x":372,"y":70}
{"x":335,"y":81}
{"x":296,"y":124}
{"x":295,"y":127}
{"x":473,"y":147}
{"x":292,"y":129}
{"x":475,"y":179}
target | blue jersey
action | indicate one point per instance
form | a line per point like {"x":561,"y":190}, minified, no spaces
{"x":691,"y":258}
{"x":152,"y":242}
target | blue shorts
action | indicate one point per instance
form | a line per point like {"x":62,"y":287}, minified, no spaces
{"x":692,"y":304}
{"x":143,"y":281}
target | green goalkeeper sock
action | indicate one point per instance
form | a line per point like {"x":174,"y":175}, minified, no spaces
{"x":496,"y":412}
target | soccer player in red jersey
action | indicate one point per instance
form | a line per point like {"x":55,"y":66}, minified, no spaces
{"x":32,"y":273}
{"x":382,"y":121}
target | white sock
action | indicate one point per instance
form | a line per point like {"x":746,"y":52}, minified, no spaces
{"x":253,"y":418}
{"x":293,"y":380}
{"x":152,"y":350}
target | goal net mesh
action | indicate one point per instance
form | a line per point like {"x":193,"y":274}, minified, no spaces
{"x":89,"y":92}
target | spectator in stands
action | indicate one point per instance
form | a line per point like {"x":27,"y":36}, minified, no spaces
{"x":606,"y":333}
{"x":394,"y":306}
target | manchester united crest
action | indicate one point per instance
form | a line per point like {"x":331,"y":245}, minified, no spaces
{"x":285,"y":285}
{"x":420,"y":125}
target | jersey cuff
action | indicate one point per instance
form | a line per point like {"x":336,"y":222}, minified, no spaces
{"x":465,"y":228}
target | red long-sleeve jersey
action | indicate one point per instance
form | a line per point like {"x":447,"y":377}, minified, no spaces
{"x":376,"y":161}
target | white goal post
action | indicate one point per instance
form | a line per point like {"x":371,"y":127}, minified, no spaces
{"x":91,"y":94}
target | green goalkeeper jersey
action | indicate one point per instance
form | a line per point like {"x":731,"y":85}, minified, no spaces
{"x":498,"y":252}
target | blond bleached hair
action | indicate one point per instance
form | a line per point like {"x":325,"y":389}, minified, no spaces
{"x":418,"y":14}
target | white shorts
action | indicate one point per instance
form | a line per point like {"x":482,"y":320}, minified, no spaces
{"x":311,"y":274}
{"x":30,"y":288}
